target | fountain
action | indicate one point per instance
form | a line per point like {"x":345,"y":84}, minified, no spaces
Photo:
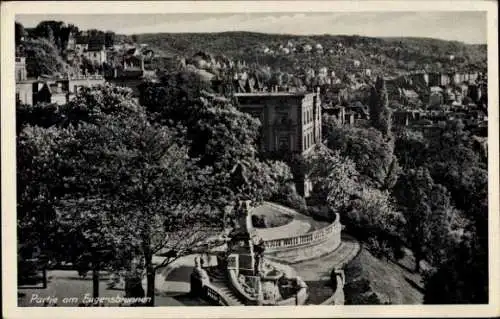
{"x":250,"y":277}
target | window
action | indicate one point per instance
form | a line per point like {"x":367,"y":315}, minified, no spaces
{"x":284,"y":143}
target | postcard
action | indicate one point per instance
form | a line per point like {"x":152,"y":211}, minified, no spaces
{"x":303,"y":159}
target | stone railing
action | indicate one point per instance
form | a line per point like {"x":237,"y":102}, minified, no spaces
{"x":215,"y":296}
{"x":84,"y":77}
{"x":299,"y":299}
{"x":316,"y":236}
{"x":337,"y":297}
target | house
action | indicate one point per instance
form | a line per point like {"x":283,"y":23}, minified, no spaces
{"x":438,"y":79}
{"x":21,"y":72}
{"x":307,"y":48}
{"x":25,"y":91}
{"x":133,"y":63}
{"x":81,"y":43}
{"x":410,"y":96}
{"x":285,"y":50}
{"x":436,"y":98}
{"x":51,"y":90}
{"x":71,"y":44}
{"x":319,"y":48}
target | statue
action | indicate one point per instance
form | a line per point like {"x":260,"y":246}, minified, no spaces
{"x":242,"y":221}
{"x":198,"y":271}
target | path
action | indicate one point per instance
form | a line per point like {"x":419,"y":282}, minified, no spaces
{"x":67,"y":284}
{"x":321,"y":268}
{"x":300,"y":225}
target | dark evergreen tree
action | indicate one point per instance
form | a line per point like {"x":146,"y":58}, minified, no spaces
{"x":380,"y":113}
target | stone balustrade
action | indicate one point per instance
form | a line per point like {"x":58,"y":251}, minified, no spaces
{"x":215,"y":296}
{"x":311,"y":238}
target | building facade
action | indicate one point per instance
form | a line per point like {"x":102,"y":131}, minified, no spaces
{"x":58,"y":91}
{"x":97,"y":56}
{"x":21,"y":73}
{"x":291,"y":124}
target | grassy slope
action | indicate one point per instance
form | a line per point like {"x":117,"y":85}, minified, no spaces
{"x":391,"y":281}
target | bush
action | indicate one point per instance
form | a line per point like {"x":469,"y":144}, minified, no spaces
{"x":289,"y":197}
{"x":358,"y":290}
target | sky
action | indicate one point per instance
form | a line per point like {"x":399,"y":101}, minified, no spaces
{"x":464,"y":26}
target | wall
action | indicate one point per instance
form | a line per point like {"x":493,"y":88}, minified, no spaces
{"x":308,"y":246}
{"x":338,"y":297}
{"x":25,"y":92}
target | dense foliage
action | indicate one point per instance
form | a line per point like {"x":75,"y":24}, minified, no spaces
{"x":113,"y":184}
{"x":42,"y":58}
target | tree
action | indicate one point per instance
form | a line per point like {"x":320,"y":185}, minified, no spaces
{"x":462,"y":277}
{"x":374,"y":217}
{"x":109,"y":38}
{"x":334,"y":178}
{"x":20,"y":33}
{"x":427,"y":210}
{"x":114,"y":179}
{"x":367,"y":148}
{"x":42,"y":58}
{"x":380,"y":113}
{"x":156,"y":191}
{"x":53,"y":31}
{"x":219,"y":134}
{"x":410,"y":149}
{"x":39,"y":183}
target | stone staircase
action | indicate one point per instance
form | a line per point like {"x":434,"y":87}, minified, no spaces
{"x":218,"y":278}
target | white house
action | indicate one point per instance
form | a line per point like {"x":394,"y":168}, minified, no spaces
{"x":96,"y":55}
{"x":307,"y":48}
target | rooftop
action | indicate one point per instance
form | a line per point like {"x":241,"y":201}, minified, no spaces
{"x":251,"y":94}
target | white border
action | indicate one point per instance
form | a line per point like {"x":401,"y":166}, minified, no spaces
{"x":9,"y":272}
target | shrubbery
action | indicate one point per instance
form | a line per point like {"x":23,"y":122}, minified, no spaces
{"x":357,"y":289}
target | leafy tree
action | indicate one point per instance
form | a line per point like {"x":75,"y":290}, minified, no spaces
{"x":42,"y":58}
{"x":410,"y":149}
{"x":41,"y":114}
{"x":220,"y":136}
{"x":461,"y":278}
{"x":20,"y":33}
{"x":156,"y":191}
{"x":106,"y":170}
{"x":39,"y":183}
{"x":334,"y":178}
{"x":367,"y":148}
{"x":374,"y":218}
{"x":53,"y":31}
{"x":427,"y":210}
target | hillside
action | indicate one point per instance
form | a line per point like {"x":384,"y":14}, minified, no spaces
{"x":289,"y":52}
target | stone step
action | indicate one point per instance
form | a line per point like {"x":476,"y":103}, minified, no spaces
{"x":230,"y":296}
{"x":216,"y":274}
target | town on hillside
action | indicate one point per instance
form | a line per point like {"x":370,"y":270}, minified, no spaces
{"x":240,"y":169}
